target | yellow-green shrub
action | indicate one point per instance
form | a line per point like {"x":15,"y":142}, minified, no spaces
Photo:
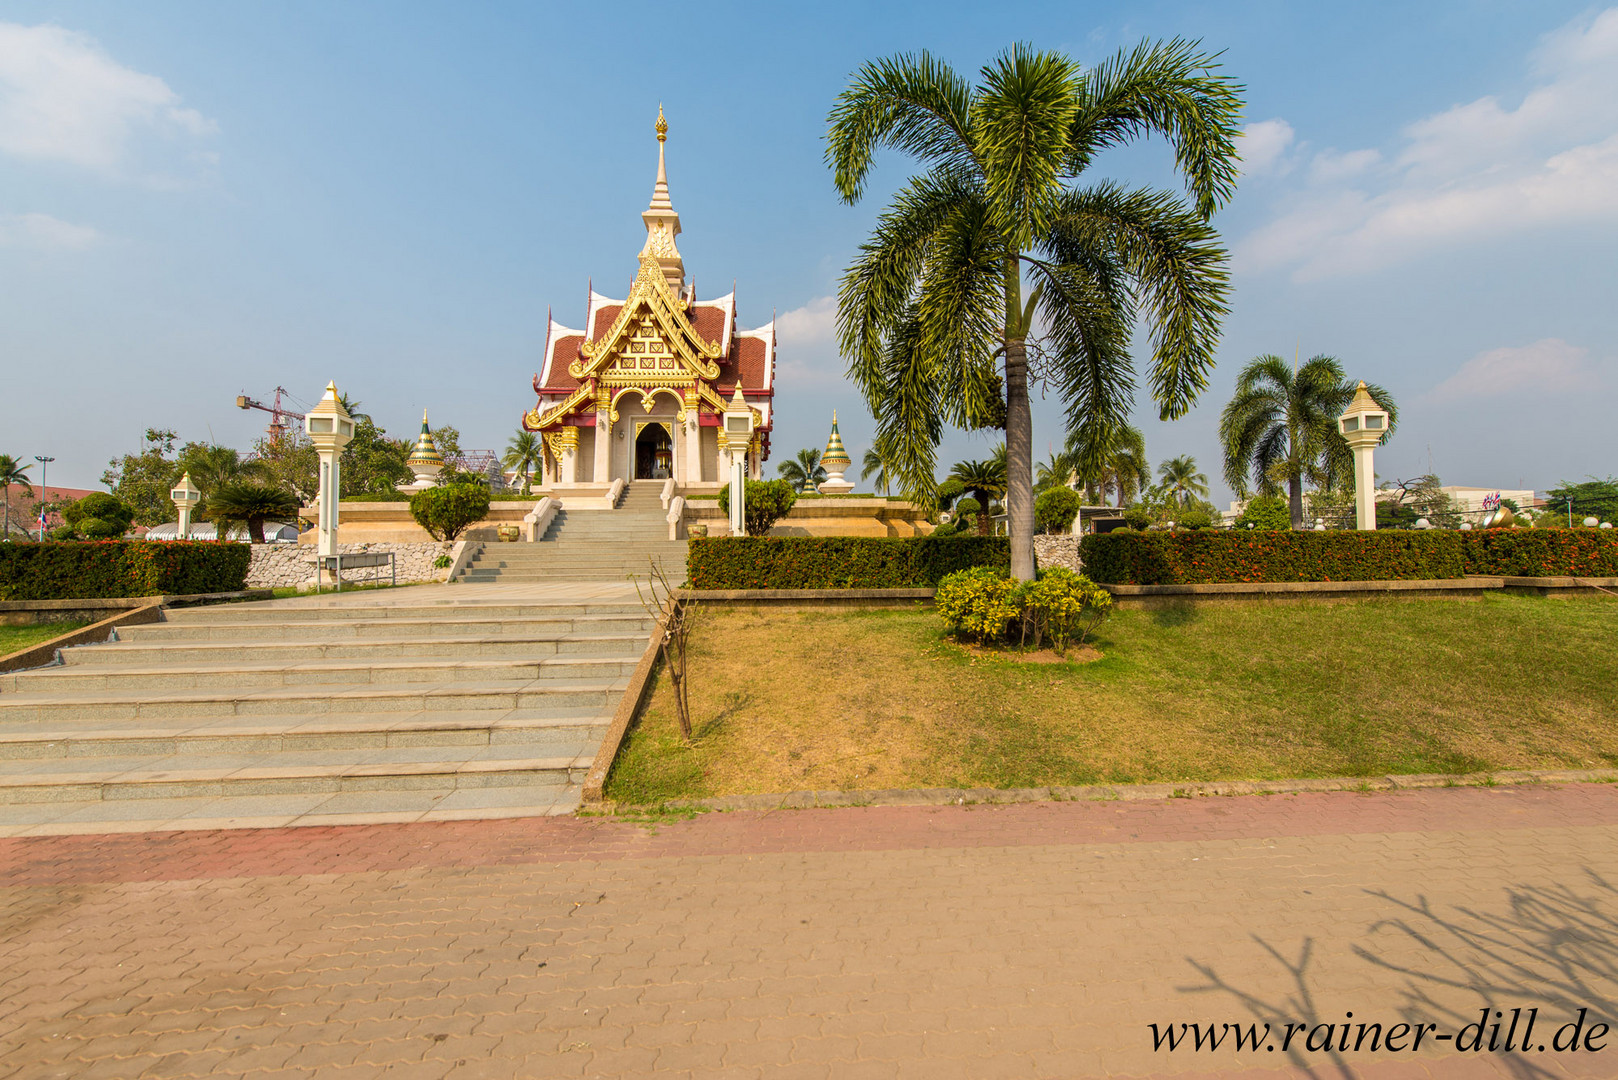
{"x":980,"y":602}
{"x":1063,"y":607}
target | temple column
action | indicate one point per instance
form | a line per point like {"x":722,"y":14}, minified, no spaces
{"x":603,"y":472}
{"x":569,"y":465}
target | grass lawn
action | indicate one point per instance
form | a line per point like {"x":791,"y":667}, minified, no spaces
{"x":795,"y":700}
{"x":13,"y":638}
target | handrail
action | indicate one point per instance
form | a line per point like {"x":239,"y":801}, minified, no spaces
{"x":539,"y":518}
{"x":668,"y":492}
{"x":614,"y":493}
{"x":676,"y":512}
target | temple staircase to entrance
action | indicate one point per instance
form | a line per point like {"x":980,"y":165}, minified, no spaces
{"x":589,"y":545}
{"x":422,"y":703}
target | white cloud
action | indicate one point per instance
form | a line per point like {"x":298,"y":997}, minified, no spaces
{"x":63,"y":99}
{"x":1476,"y":170}
{"x":1549,"y":365}
{"x":1262,"y":145}
{"x":41,"y":232}
{"x":815,"y":321}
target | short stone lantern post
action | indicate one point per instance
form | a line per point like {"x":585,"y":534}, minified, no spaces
{"x":738,"y":438}
{"x":1364,"y":425}
{"x":185,"y":497}
{"x":330,"y":428}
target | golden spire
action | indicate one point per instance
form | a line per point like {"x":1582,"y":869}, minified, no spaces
{"x":662,"y":124}
{"x":662,"y":222}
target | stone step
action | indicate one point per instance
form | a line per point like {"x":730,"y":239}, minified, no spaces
{"x":64,"y":739}
{"x":327,"y":700}
{"x":152,"y":652}
{"x":387,"y":629}
{"x":316,"y":773}
{"x":305,"y":611}
{"x":309,"y":674}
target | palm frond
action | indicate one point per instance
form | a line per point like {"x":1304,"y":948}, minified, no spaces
{"x":913,"y":103}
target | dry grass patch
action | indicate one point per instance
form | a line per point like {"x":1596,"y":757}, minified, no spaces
{"x":862,"y":700}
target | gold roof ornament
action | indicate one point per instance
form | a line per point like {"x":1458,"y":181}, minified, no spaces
{"x":425,"y":452}
{"x":662,"y":124}
{"x":835,"y":459}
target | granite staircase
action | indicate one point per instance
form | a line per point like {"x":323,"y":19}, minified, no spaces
{"x":589,"y":545}
{"x":303,"y":712}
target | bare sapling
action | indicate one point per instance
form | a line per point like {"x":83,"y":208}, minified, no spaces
{"x":673,"y":617}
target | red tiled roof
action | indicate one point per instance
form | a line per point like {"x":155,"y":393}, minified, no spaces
{"x":563,"y":353}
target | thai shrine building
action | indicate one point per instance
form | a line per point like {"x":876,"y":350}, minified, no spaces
{"x":641,"y":392}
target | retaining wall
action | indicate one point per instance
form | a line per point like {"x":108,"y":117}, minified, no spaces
{"x":282,"y":565}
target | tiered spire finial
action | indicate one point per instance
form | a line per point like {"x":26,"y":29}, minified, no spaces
{"x":662,"y":221}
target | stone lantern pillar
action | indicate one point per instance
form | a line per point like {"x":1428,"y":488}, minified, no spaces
{"x":185,"y":497}
{"x":1364,"y":425}
{"x":738,"y":436}
{"x":330,"y":428}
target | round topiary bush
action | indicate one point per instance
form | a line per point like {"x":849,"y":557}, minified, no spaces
{"x":1268,"y":513}
{"x":445,"y":511}
{"x":1195,"y":519}
{"x":1137,"y":517}
{"x":98,"y":516}
{"x":768,"y":501}
{"x":1056,"y":508}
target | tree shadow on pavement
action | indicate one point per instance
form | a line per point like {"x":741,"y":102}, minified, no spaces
{"x":1551,"y":947}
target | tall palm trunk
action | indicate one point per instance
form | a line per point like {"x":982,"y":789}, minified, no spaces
{"x":1019,"y":430}
{"x":1295,"y":500}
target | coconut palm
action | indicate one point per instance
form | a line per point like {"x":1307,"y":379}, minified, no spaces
{"x":13,"y":472}
{"x":212,"y":466}
{"x":1180,"y":481}
{"x":873,"y":465}
{"x":1057,"y":470}
{"x":984,"y":481}
{"x":1104,"y":463}
{"x":253,"y":503}
{"x":937,"y":314}
{"x":524,"y":454}
{"x":1280,"y":428}
{"x":804,"y":471}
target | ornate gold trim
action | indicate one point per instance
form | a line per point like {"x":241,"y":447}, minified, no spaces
{"x":651,"y":289}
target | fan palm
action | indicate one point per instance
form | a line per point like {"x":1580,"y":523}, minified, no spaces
{"x":804,"y":471}
{"x":937,"y":314}
{"x":1180,"y":481}
{"x":984,"y":481}
{"x":1280,"y":428}
{"x":524,"y":454}
{"x":13,"y":472}
{"x":253,"y":503}
{"x":873,"y":465}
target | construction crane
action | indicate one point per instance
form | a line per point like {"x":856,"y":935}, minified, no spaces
{"x":278,"y":415}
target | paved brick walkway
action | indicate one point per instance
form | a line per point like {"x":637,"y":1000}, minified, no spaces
{"x":1024,"y":941}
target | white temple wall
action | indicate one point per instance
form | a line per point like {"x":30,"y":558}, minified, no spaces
{"x":587,"y":454}
{"x":710,"y":455}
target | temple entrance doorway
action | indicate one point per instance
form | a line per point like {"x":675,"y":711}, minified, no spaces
{"x":654,"y":452}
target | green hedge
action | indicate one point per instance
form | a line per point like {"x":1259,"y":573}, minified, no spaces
{"x":108,"y":568}
{"x":1205,"y":556}
{"x":1541,"y":552}
{"x":837,"y":562}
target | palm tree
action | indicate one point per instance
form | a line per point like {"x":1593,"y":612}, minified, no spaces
{"x":12,"y":472}
{"x":1056,"y":471}
{"x":1180,"y":480}
{"x":803,"y":472}
{"x":1108,"y":462}
{"x":873,"y":465}
{"x":937,"y":314}
{"x":253,"y":503}
{"x":1280,"y":427}
{"x":211,"y":466}
{"x":524,"y":454}
{"x":984,"y":481}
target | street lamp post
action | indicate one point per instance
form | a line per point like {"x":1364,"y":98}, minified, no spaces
{"x":738,"y":436}
{"x":1364,"y":425}
{"x":44,"y":492}
{"x":330,"y":428}
{"x":185,"y":497}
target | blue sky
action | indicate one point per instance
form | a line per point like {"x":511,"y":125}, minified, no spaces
{"x":200,"y":199}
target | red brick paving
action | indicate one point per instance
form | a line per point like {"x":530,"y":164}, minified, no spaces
{"x":1032,"y":940}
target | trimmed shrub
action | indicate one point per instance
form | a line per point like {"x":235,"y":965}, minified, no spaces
{"x":112,"y":568}
{"x":98,"y":516}
{"x":445,"y":511}
{"x":980,"y":602}
{"x":1062,"y":607}
{"x":1540,"y":552}
{"x":1205,"y":556}
{"x":1194,"y":519}
{"x":768,"y":501}
{"x":1266,"y":513}
{"x":837,"y":562}
{"x":1056,"y":508}
{"x":1137,"y":517}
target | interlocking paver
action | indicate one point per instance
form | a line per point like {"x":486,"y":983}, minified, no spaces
{"x":1034,"y":940}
